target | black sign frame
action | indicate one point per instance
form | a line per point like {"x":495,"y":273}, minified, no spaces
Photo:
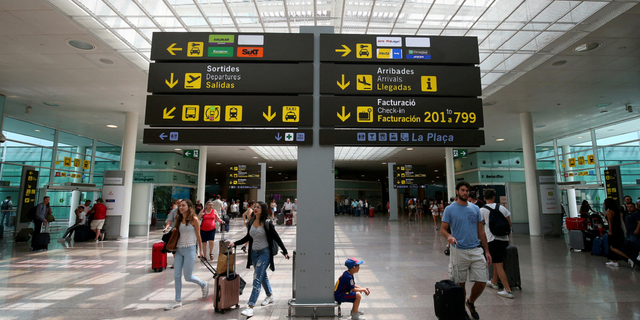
{"x":228,"y":137}
{"x":414,"y":138}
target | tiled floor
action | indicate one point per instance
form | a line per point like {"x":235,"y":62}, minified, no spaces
{"x":113,"y":279}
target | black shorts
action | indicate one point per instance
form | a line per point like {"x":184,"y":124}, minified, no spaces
{"x":498,"y":250}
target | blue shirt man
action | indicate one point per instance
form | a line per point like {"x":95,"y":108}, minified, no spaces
{"x":464,"y":224}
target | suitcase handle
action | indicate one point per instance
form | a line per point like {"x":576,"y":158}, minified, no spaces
{"x":209,"y":266}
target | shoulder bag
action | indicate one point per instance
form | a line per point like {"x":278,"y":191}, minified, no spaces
{"x":172,"y":244}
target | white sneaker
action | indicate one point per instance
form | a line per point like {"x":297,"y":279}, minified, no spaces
{"x":173,"y":305}
{"x":632,"y":264}
{"x":493,"y":286}
{"x":205,"y":289}
{"x":267,"y":301}
{"x":97,"y":241}
{"x":506,"y":294}
{"x":356,"y":316}
{"x":612,"y":264}
{"x":248,"y":312}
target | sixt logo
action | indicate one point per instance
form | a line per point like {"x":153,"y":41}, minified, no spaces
{"x":250,"y":52}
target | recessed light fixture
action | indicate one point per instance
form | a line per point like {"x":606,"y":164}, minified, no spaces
{"x":51,"y":104}
{"x":435,"y":170}
{"x":559,"y":63}
{"x":579,"y":137}
{"x":106,"y":61}
{"x":437,"y":177}
{"x":489,"y":103}
{"x":500,"y":139}
{"x":409,"y":149}
{"x":218,"y":163}
{"x":384,"y":163}
{"x":270,"y":167}
{"x":279,"y":173}
{"x":588,"y":46}
{"x":111,"y":126}
{"x":255,"y":157}
{"x":37,"y":130}
{"x":602,"y":105}
{"x":177,"y":149}
{"x":216,"y":179}
{"x":78,"y":44}
{"x":545,"y":149}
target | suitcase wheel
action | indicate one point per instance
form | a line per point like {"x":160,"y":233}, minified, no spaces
{"x":224,"y":311}
{"x":160,"y":269}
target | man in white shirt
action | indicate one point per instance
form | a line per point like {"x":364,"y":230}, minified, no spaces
{"x":233,"y":210}
{"x":218,"y":205}
{"x":225,"y":205}
{"x":86,"y":206}
{"x":497,"y":244}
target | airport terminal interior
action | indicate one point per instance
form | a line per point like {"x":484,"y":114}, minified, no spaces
{"x":535,"y":100}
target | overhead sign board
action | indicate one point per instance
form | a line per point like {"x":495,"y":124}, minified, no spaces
{"x":206,"y":46}
{"x":228,"y":111}
{"x":410,"y":171}
{"x":244,"y":167}
{"x":228,"y":137}
{"x":244,"y":174}
{"x":403,"y":138}
{"x":404,"y":80}
{"x":230,"y":77}
{"x":407,"y":112}
{"x":398,"y":49}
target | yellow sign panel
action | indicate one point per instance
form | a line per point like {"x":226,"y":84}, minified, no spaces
{"x":85,"y":164}
{"x":365,"y":82}
{"x":580,"y":173}
{"x":384,"y":53}
{"x":363,"y":51}
{"x":570,"y":174}
{"x":192,"y":80}
{"x":77,"y":162}
{"x":233,"y":114}
{"x":190,"y":112}
{"x":211,"y":113}
{"x":67,"y":162}
{"x":365,"y":114}
{"x":195,"y":49}
{"x":591,"y":159}
{"x":64,"y":174}
{"x":73,"y":175}
{"x":429,"y":83}
{"x":581,"y":161}
{"x":290,"y":114}
{"x":572,"y":162}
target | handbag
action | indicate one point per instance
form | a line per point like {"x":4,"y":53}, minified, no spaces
{"x":50,"y":218}
{"x":172,"y":244}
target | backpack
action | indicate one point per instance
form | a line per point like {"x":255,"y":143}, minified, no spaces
{"x":498,"y":223}
{"x":5,"y":205}
{"x":31,"y":214}
{"x":267,"y":225}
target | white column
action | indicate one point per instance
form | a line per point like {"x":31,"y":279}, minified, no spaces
{"x":571,"y":193}
{"x":202,"y":174}
{"x":530,"y":167}
{"x":393,"y":194}
{"x":127,"y":163}
{"x":451,"y":174}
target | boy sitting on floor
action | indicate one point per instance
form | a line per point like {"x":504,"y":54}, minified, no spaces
{"x":346,"y":289}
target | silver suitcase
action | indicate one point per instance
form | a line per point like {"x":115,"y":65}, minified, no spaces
{"x":576,"y":240}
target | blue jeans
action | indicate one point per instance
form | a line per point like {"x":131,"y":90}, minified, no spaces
{"x":7,"y":215}
{"x":185,"y":259}
{"x":260,"y":261}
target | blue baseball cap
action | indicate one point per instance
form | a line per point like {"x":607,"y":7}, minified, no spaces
{"x":352,"y":262}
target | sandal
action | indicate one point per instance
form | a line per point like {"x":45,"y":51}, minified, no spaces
{"x":211,"y":257}
{"x":244,"y":249}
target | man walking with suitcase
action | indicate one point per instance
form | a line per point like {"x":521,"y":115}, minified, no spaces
{"x":467,"y":241}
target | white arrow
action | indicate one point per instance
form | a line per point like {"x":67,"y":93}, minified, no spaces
{"x":187,"y":153}
{"x":162,"y":136}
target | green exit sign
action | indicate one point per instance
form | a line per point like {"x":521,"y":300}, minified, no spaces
{"x":459,"y":153}
{"x":191,"y":153}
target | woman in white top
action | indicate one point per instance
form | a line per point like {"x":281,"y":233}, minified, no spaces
{"x":189,"y":228}
{"x":435,"y":212}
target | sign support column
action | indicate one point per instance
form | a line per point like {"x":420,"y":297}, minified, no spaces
{"x":393,"y":194}
{"x":314,"y":270}
{"x":451,"y":174}
{"x":263,"y":182}
{"x":529,"y":157}
{"x":571,"y":193}
{"x":202,"y":174}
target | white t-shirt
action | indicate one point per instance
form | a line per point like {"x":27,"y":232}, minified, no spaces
{"x":82,"y":218}
{"x":234,"y":208}
{"x":485,"y":217}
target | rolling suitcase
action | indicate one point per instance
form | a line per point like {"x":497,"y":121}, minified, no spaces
{"x":1,"y":230}
{"x":280,"y":217}
{"x":448,"y":301}
{"x":371,"y":212}
{"x":576,"y":240}
{"x":227,"y":291}
{"x":40,"y":241}
{"x":83,"y":233}
{"x":512,"y":267}
{"x":158,"y":258}
{"x":598,"y":247}
{"x":289,"y":219}
{"x":24,"y":235}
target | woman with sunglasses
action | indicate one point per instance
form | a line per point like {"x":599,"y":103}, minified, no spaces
{"x":260,"y":234}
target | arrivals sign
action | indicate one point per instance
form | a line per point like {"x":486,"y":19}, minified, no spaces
{"x":228,"y":111}
{"x":409,"y":112}
{"x":228,"y":137}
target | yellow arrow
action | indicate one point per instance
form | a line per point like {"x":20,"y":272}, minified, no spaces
{"x":346,"y":50}
{"x":563,"y":164}
{"x":172,"y":49}
{"x":342,"y":116}
{"x":58,"y":160}
{"x":168,"y":115}
{"x":343,"y":85}
{"x":172,"y":83}
{"x":269,"y":116}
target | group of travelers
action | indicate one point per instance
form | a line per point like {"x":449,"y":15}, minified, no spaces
{"x":624,"y":231}
{"x":354,"y":207}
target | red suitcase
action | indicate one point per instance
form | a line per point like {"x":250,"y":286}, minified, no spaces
{"x":371,"y":211}
{"x":576,"y":224}
{"x":227,"y":291}
{"x":158,"y":259}
{"x":289,"y":219}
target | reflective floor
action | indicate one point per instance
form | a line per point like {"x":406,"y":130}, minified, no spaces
{"x":113,"y":279}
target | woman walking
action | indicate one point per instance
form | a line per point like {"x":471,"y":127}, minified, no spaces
{"x":260,"y":234}
{"x":209,"y":217}
{"x":246,"y":217}
{"x":616,"y":233}
{"x":189,"y":230}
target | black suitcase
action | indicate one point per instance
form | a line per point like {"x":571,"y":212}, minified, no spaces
{"x":24,"y":235}
{"x":1,"y":230}
{"x":40,"y":241}
{"x":83,"y":233}
{"x":280,"y":217}
{"x":448,"y":301}
{"x":512,"y":267}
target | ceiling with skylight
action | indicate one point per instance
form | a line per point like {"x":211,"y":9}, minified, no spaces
{"x":276,"y":153}
{"x":509,"y":31}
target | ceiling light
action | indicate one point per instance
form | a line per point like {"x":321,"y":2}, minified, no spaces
{"x":580,"y":137}
{"x":437,"y":177}
{"x":545,"y":149}
{"x":559,"y":63}
{"x":384,"y":163}
{"x":37,"y":130}
{"x":270,"y":167}
{"x":606,"y":104}
{"x":215,"y":179}
{"x":489,"y":103}
{"x":78,"y":44}
{"x":279,"y":173}
{"x":409,"y":149}
{"x":218,"y":163}
{"x":177,"y":149}
{"x":435,"y":170}
{"x":106,"y":61}
{"x":588,"y":46}
{"x":255,"y":157}
{"x":111,"y":126}
{"x":51,"y":104}
{"x":500,"y":139}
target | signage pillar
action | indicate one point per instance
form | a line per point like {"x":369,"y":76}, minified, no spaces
{"x":529,"y":157}
{"x":202,"y":174}
{"x":127,"y":164}
{"x":315,"y":261}
{"x":393,"y":194}
{"x":451,"y":174}
{"x":263,"y":182}
{"x":571,"y":193}
{"x":113,"y":195}
{"x":594,"y":144}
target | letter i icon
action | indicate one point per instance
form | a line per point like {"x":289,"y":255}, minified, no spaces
{"x":429,"y":83}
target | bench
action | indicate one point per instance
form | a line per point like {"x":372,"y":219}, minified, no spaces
{"x":292,"y":304}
